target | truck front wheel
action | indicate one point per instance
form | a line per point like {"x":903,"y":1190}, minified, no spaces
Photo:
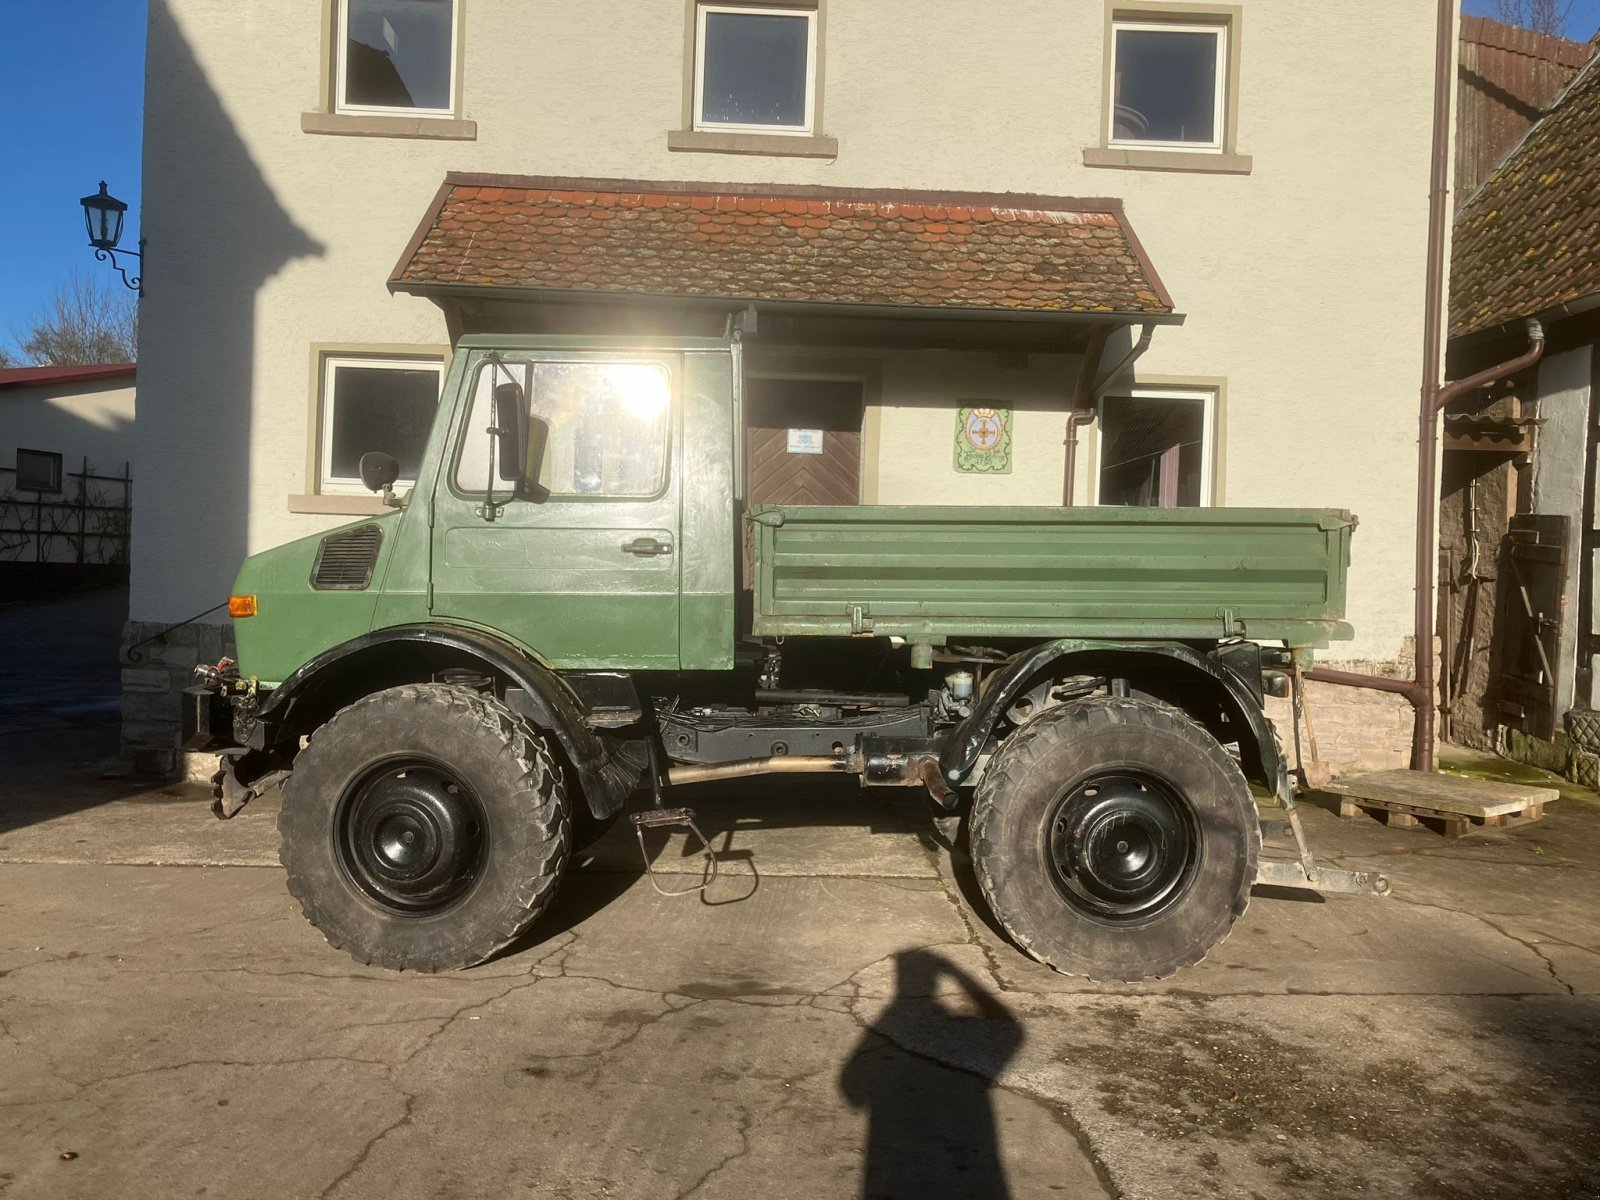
{"x":1114,"y":838}
{"x":424,"y":828}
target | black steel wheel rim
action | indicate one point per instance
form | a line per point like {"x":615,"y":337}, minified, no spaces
{"x":1121,"y":845}
{"x":411,"y":835}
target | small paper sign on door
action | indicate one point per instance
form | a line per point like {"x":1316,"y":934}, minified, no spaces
{"x":805,"y":441}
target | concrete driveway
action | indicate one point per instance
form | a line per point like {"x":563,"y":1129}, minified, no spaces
{"x":833,"y":1018}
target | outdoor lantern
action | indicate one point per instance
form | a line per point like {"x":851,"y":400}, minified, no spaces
{"x":103,"y":213}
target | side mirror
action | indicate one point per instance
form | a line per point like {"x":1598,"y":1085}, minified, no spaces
{"x":538,"y":439}
{"x":379,"y":472}
{"x":510,"y":432}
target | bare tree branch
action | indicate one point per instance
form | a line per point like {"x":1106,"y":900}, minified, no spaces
{"x":83,"y":323}
{"x":1541,"y":16}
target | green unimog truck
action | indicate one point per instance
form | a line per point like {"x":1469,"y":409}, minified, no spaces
{"x":574,"y":605}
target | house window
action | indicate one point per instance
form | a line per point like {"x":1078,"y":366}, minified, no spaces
{"x":38,"y":471}
{"x":396,"y":56}
{"x":602,"y":428}
{"x":1156,"y":448}
{"x":374,"y":404}
{"x":1169,"y":85}
{"x":755,"y":68}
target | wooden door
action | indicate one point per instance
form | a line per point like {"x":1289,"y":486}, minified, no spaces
{"x":1531,"y":665}
{"x":803,"y":441}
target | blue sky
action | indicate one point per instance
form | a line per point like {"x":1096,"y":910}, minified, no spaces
{"x":71,"y":86}
{"x":1581,"y":22}
{"x":71,"y":93}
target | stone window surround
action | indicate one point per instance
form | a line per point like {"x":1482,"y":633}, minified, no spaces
{"x":1226,"y":162}
{"x":326,"y":120}
{"x":343,"y":504}
{"x":816,"y":144}
{"x":1216,"y":386}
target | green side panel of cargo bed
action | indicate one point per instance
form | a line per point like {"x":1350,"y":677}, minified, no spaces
{"x":944,"y":572}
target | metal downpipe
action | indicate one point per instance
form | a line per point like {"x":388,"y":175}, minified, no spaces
{"x":1085,"y":399}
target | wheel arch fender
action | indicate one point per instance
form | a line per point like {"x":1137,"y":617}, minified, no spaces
{"x":1159,"y":667}
{"x":403,"y":654}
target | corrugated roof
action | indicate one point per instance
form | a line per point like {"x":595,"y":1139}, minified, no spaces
{"x":39,"y":376}
{"x":1529,"y":240}
{"x":1508,"y":77}
{"x":923,"y":250}
{"x":1485,"y":31}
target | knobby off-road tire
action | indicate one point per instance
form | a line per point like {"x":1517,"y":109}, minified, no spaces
{"x":1114,"y":838}
{"x":424,"y":828}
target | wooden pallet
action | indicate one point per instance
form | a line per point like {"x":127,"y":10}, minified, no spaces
{"x":1445,"y":803}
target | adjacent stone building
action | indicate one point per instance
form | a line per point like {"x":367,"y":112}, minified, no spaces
{"x":1517,"y":604}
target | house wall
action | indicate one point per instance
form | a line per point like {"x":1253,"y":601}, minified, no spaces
{"x":84,"y":422}
{"x":1565,"y":381}
{"x":79,"y":420}
{"x":1302,"y":280}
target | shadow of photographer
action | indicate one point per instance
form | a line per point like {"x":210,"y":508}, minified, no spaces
{"x":931,"y":1127}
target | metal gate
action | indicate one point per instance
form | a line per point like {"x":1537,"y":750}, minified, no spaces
{"x":1531,"y":667}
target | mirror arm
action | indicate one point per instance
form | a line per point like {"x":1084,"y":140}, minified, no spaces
{"x":490,"y":510}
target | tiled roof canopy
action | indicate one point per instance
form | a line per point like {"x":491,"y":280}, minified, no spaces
{"x":1022,"y":254}
{"x":1529,"y":239}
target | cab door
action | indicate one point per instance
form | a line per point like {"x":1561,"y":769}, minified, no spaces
{"x":582,"y":567}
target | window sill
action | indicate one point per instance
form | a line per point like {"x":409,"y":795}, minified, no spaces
{"x":335,"y":505}
{"x":1167,"y":160}
{"x":372,"y":125}
{"x":773,"y":144}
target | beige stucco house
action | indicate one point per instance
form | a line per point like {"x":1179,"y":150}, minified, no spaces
{"x":66,"y":471}
{"x":1257,"y":174}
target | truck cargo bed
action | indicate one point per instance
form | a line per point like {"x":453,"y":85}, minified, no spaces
{"x":932,"y":573}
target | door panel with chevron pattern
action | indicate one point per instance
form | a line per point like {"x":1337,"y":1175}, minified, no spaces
{"x":776,"y":475}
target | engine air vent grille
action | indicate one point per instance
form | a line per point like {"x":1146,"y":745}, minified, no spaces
{"x":345,"y":559}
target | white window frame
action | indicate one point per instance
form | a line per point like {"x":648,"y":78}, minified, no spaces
{"x":701,"y":125}
{"x":327,"y":482}
{"x":1221,"y":32}
{"x":342,"y":54}
{"x":1208,"y":432}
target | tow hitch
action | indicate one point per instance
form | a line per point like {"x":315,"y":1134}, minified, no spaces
{"x":1304,"y":872}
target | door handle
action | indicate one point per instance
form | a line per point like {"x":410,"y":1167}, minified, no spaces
{"x":647,"y":547}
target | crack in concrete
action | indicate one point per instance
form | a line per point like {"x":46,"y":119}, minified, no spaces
{"x":360,"y":1159}
{"x":410,"y":1098}
{"x":1530,"y":946}
{"x":746,"y":1121}
{"x":81,"y":1086}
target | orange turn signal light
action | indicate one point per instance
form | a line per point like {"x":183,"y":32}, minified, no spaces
{"x":241,"y":606}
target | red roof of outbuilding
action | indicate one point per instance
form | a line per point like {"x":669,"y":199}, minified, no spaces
{"x":40,"y":376}
{"x":933,"y":251}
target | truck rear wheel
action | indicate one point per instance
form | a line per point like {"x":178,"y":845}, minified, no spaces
{"x":424,"y":828}
{"x":1114,"y":838}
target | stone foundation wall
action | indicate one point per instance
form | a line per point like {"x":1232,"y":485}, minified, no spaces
{"x":153,"y":676}
{"x":1357,"y":730}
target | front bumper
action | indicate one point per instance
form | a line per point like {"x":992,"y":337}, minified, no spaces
{"x":207,"y":719}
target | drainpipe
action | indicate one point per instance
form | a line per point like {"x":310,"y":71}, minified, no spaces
{"x":1085,"y":398}
{"x":1420,"y":691}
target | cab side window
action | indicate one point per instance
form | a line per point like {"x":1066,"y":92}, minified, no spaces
{"x":607,"y":427}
